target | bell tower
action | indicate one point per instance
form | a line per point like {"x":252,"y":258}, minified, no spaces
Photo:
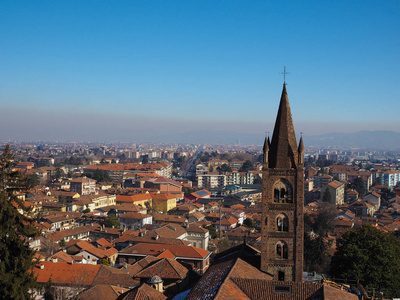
{"x":283,"y":199}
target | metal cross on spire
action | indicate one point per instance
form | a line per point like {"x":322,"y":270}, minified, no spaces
{"x":284,"y":74}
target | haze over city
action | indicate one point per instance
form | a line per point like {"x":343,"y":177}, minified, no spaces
{"x":137,"y":70}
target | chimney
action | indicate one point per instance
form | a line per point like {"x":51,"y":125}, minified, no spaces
{"x":41,"y":266}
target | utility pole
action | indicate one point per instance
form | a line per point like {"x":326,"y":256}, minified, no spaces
{"x":220,"y":230}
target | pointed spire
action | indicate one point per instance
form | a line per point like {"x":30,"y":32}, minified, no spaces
{"x":266,"y":150}
{"x":301,"y":151}
{"x":266,"y":145}
{"x":301,"y":145}
{"x":283,"y":150}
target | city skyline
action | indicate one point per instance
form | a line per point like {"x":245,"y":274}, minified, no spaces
{"x":132,"y":70}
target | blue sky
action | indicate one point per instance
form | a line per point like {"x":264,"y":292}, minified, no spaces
{"x":86,"y":70}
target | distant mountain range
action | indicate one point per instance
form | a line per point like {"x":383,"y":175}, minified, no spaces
{"x":361,"y":139}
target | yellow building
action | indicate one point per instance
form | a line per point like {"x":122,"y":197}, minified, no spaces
{"x":163,"y":202}
{"x":144,"y":200}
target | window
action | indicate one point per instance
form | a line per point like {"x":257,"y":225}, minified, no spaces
{"x":281,"y":250}
{"x":282,"y":289}
{"x":282,"y":223}
{"x":282,"y":191}
{"x":277,"y":288}
{"x":266,"y":221}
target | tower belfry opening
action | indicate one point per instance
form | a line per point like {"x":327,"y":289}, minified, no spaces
{"x":282,"y":199}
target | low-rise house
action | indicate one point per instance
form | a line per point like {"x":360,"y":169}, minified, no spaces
{"x":61,"y":220}
{"x":241,"y":234}
{"x":227,"y":222}
{"x":362,"y":208}
{"x":195,"y":258}
{"x":77,"y":233}
{"x":351,"y":196}
{"x":375,"y":199}
{"x":129,"y":207}
{"x":134,"y":220}
{"x":67,"y":280}
{"x":196,"y":217}
{"x":144,"y":200}
{"x":185,"y":209}
{"x":174,"y":275}
{"x":162,"y":218}
{"x":163,"y":184}
{"x":193,"y":197}
{"x":93,"y":254}
{"x":197,"y":236}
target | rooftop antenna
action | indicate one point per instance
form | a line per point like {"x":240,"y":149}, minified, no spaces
{"x":284,"y":74}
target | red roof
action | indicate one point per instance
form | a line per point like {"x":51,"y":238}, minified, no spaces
{"x":177,"y":250}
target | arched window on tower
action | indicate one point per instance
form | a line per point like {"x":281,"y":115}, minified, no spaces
{"x":283,"y":192}
{"x":282,"y":223}
{"x":266,"y":221}
{"x":281,"y":250}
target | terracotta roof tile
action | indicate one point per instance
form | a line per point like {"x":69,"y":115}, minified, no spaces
{"x":102,"y":291}
{"x":166,"y":268}
{"x":67,"y":274}
{"x":177,"y":250}
{"x":144,"y":292}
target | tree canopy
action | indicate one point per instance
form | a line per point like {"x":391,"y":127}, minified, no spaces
{"x":225,"y":168}
{"x":16,"y":279}
{"x":358,"y":185}
{"x":247,"y":166}
{"x":370,"y":256}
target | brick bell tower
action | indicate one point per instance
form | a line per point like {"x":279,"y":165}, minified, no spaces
{"x":282,"y":199}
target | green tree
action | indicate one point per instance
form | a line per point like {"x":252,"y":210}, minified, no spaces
{"x":101,"y":176}
{"x":225,"y":168}
{"x":32,"y":180}
{"x":16,"y":279}
{"x":59,"y":173}
{"x":358,"y":185}
{"x":247,"y":166}
{"x":112,"y":221}
{"x":326,"y":197}
{"x":145,"y":160}
{"x":105,"y":261}
{"x":307,"y":223}
{"x":370,"y":256}
{"x":257,"y":180}
{"x":204,"y":157}
{"x":325,"y":220}
{"x":62,"y":243}
{"x":249,"y":223}
{"x":316,"y":254}
{"x":212,"y":231}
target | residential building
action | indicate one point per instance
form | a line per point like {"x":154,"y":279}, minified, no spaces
{"x":83,"y":186}
{"x":333,"y":192}
{"x":133,"y":220}
{"x":211,"y":180}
